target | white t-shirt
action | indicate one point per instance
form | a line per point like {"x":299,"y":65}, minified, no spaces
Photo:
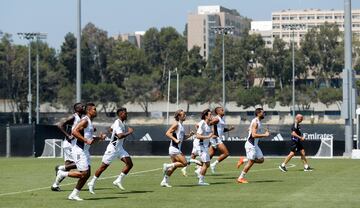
{"x":118,"y":127}
{"x":204,"y":130}
{"x":254,"y":141}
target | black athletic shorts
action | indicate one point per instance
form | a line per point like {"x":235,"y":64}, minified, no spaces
{"x":296,"y":146}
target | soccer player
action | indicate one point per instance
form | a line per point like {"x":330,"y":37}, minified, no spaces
{"x":216,"y":143}
{"x":253,"y":151}
{"x":204,"y":134}
{"x":191,"y":159}
{"x":176,"y":133}
{"x":69,"y":142}
{"x":83,"y":132}
{"x":297,"y":145}
{"x":114,"y":150}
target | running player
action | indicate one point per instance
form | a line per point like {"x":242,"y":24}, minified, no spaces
{"x":83,"y":132}
{"x":114,"y":150}
{"x":297,"y":145}
{"x":177,"y":135}
{"x":69,"y":142}
{"x":216,"y":143}
{"x":204,"y":134}
{"x":253,"y":151}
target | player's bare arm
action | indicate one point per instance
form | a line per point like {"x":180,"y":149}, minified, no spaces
{"x":79,"y":128}
{"x":123,"y":135}
{"x":62,"y":125}
{"x":254,"y":133}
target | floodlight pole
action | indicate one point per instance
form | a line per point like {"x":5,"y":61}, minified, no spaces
{"x":78,"y":53}
{"x":223,"y":30}
{"x":349,"y":102}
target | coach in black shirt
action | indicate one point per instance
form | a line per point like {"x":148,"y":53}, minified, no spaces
{"x":296,"y":145}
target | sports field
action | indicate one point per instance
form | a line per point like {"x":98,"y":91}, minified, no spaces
{"x":25,"y":182}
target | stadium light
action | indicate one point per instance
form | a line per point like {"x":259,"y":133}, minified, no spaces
{"x":78,"y":53}
{"x":223,"y":30}
{"x":293,"y":27}
{"x":168,"y":94}
{"x":30,"y":36}
{"x":41,"y":36}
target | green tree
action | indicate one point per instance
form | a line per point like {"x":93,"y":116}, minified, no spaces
{"x":141,"y":90}
{"x":67,"y":57}
{"x":95,"y":47}
{"x":124,"y":61}
{"x":329,"y":96}
{"x":250,"y":97}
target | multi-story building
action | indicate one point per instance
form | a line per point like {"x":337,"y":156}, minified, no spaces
{"x":308,"y":19}
{"x":263,"y":28}
{"x":200,"y":26}
{"x":134,"y":38}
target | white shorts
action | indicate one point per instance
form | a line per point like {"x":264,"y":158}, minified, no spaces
{"x":253,"y":151}
{"x":67,"y":148}
{"x":204,"y":154}
{"x":113,"y":152}
{"x":215,"y":142}
{"x":174,"y":151}
{"x":82,"y":158}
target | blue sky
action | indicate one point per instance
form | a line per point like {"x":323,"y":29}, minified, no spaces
{"x":58,"y":17}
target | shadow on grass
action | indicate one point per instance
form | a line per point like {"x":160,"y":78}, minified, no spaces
{"x":134,"y":192}
{"x":194,"y":185}
{"x":102,"y":198}
{"x":266,"y":181}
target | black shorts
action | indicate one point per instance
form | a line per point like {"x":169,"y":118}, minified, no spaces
{"x":296,"y":146}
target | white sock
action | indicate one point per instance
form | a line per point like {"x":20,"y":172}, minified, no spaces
{"x":283,"y":164}
{"x":242,"y":175}
{"x":61,"y":175}
{"x":245,"y":160}
{"x":166,"y":178}
{"x":75,"y":192}
{"x":62,"y":167}
{"x":121,"y":177}
{"x":64,"y":173}
{"x":201,"y":178}
{"x":93,"y":180}
{"x":195,"y":161}
{"x":306,"y":166}
{"x":215,"y":163}
{"x":185,"y":168}
{"x":171,"y":165}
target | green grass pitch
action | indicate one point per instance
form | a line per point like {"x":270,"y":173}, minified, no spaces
{"x":25,"y":182}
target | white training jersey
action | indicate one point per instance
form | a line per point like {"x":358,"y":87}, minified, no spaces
{"x":88,"y":134}
{"x":219,"y":127}
{"x":118,"y":127}
{"x":178,"y":134}
{"x":254,"y":141}
{"x":205,"y":130}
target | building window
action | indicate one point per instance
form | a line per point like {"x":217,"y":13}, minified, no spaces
{"x":311,"y":17}
{"x":276,"y":18}
{"x":357,"y":16}
{"x":302,"y":18}
{"x":328,"y":17}
{"x":285,"y":18}
{"x":320,"y":17}
{"x":338,"y":17}
{"x":276,"y":26}
{"x":293,"y":18}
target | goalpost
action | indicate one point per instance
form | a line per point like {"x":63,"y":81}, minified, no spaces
{"x":52,"y":148}
{"x":325,"y":149}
